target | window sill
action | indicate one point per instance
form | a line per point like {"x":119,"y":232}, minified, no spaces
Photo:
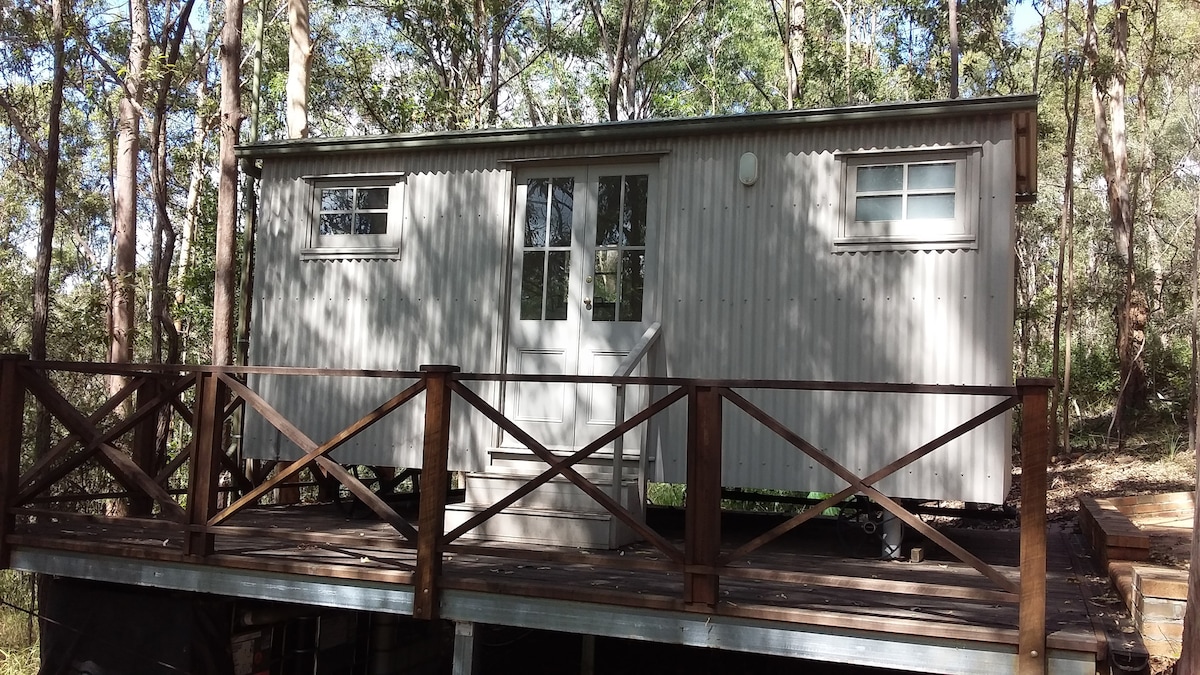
{"x":849,"y":244}
{"x":351,"y":253}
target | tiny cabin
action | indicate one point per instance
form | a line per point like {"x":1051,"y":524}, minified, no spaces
{"x":860,"y":244}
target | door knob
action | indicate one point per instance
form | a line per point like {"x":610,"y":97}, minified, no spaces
{"x":587,"y":303}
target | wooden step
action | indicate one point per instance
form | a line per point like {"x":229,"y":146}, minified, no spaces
{"x":547,"y":527}
{"x":596,"y":466}
{"x":558,"y":494}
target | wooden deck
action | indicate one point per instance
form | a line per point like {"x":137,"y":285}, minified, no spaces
{"x":986,"y":602}
{"x":800,"y":582}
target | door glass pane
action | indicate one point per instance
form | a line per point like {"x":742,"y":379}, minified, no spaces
{"x":558,"y":274}
{"x":604,"y":292}
{"x":633,"y":277}
{"x":633,"y":217}
{"x":880,"y":178}
{"x":561,"y":208}
{"x":608,"y":211}
{"x":931,"y":176}
{"x":877,"y":208}
{"x":535,"y":211}
{"x":532,"y":273}
{"x":931,"y":206}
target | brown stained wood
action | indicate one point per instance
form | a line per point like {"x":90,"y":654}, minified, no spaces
{"x":81,"y":427}
{"x":624,"y":563}
{"x":702,"y":528}
{"x":93,"y":519}
{"x":253,"y":533}
{"x":434,"y":484}
{"x":118,"y":463}
{"x":144,"y":448}
{"x":870,"y":584}
{"x":368,"y":498}
{"x":64,"y":446}
{"x":204,"y":469}
{"x":12,"y":426}
{"x":236,"y":473}
{"x":177,"y":461}
{"x":306,"y":445}
{"x":1035,"y":436}
{"x":554,"y":470}
{"x":604,"y":596}
{"x":874,"y":477}
{"x":129,"y":474}
{"x":883,"y":500}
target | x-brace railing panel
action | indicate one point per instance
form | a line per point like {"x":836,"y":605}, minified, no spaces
{"x":316,"y":453}
{"x":96,"y":443}
{"x":564,"y":468}
{"x":860,"y":485}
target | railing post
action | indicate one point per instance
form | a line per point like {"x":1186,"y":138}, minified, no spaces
{"x":12,"y":430}
{"x":434,"y":483}
{"x":145,"y":448}
{"x":204,"y":470}
{"x":702,"y":523}
{"x":1035,"y":438}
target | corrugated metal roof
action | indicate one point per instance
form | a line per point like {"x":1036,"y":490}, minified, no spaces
{"x":640,"y":129}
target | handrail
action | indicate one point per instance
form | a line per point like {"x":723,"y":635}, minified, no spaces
{"x":640,"y":348}
{"x":639,"y":351}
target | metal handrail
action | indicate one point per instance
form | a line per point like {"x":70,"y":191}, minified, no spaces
{"x":639,"y":351}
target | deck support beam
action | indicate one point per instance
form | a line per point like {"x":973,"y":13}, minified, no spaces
{"x":703,"y":517}
{"x":12,"y":429}
{"x":145,"y":442}
{"x":466,"y":648}
{"x":208,"y":425}
{"x":1035,"y":436}
{"x":434,"y":486}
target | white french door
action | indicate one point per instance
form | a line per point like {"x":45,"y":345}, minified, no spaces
{"x":579,"y":294}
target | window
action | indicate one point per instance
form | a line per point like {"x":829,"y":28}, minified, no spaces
{"x":356,"y":217}
{"x":908,"y":200}
{"x":546,"y":267}
{"x":622,"y":204}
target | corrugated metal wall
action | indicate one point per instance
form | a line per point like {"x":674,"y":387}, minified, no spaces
{"x":751,"y":286}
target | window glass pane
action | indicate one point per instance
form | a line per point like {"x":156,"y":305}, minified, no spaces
{"x":931,"y":176}
{"x":930,"y":206}
{"x":608,"y":211}
{"x":877,"y":208}
{"x":337,"y":199}
{"x":535,"y":212}
{"x":336,"y":223}
{"x":370,"y":223}
{"x":604,"y":291}
{"x":633,"y":218}
{"x":532,"y":273}
{"x":880,"y":178}
{"x":560,"y":215}
{"x":633,"y":277}
{"x":557,"y":276}
{"x":373,"y":198}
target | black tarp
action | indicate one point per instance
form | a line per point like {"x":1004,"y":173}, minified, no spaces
{"x":106,"y":629}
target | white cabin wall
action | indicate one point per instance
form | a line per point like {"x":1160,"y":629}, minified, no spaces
{"x":754,"y":289}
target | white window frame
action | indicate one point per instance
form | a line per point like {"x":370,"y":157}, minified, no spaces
{"x":358,"y":246}
{"x":961,"y":231}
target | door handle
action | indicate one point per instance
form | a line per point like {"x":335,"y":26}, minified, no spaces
{"x":587,"y":304}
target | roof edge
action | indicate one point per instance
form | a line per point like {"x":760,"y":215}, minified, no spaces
{"x":638,"y":129}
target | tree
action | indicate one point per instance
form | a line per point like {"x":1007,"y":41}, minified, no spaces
{"x":224,"y":281}
{"x":300,"y":53}
{"x":126,"y":188}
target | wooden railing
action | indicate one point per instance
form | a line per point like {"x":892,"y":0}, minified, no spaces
{"x":205,"y":397}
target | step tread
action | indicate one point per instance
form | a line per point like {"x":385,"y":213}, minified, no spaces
{"x":521,"y":510}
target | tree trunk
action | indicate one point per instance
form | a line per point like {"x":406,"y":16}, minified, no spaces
{"x":196,"y":178}
{"x":224,"y":283}
{"x":617,"y":68}
{"x":1108,"y":100}
{"x":953,"y":5}
{"x":41,"y":279}
{"x":121,"y":307}
{"x":299,"y":60}
{"x":1189,"y":659}
{"x":1064,"y":273}
{"x":793,"y":51}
